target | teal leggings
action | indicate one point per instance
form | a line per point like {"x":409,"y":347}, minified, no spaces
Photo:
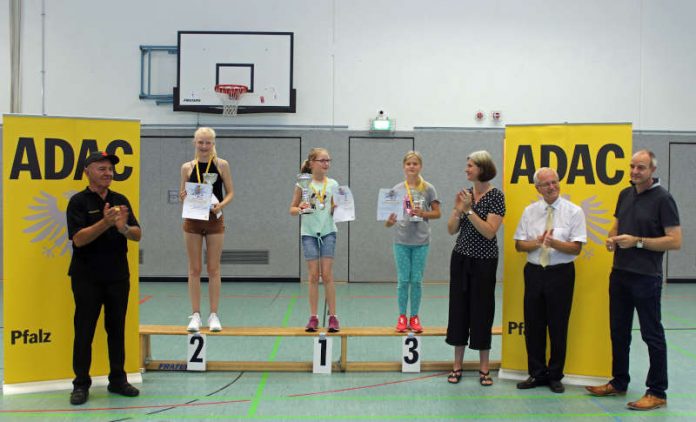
{"x":410,"y":265}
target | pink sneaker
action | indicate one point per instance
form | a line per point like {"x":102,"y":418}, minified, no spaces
{"x":402,"y":324}
{"x":333,"y":324}
{"x":312,"y":325}
{"x":414,"y":323}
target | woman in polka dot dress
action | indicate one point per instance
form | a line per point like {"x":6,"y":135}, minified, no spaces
{"x":412,"y":239}
{"x":477,"y":215}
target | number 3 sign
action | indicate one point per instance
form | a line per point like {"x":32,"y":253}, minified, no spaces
{"x":411,"y":354}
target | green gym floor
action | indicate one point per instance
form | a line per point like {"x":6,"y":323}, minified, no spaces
{"x":188,"y":396}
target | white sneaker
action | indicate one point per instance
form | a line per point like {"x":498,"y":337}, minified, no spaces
{"x":195,"y":323}
{"x":214,"y":323}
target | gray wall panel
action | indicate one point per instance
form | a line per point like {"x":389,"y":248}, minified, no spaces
{"x":682,"y":164}
{"x":375,"y":163}
{"x":157,"y":225}
{"x":258,"y":216}
{"x":444,"y":161}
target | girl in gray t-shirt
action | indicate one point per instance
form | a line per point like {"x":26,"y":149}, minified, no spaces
{"x":412,"y":239}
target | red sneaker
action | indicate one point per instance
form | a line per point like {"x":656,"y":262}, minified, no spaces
{"x":414,"y":323}
{"x":402,"y":324}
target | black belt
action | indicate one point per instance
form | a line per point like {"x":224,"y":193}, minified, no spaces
{"x":548,"y":267}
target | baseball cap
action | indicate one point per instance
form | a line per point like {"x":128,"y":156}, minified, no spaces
{"x":99,"y":156}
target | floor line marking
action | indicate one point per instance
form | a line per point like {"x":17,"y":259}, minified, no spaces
{"x":382,"y":384}
{"x":256,"y":400}
{"x":681,"y":350}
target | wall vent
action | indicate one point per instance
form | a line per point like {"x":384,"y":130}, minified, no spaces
{"x":244,"y":257}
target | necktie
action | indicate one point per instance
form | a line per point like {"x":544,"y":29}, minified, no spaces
{"x":545,"y":256}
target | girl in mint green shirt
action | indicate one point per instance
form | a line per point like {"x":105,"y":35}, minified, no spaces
{"x":318,"y":232}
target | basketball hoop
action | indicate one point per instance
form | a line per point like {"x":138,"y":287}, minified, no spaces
{"x":230,"y":95}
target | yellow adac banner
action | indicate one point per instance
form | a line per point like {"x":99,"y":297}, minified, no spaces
{"x":592,"y":162}
{"x":42,"y":168}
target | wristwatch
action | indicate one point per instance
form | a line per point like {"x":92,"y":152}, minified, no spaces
{"x":468,"y":213}
{"x":125,"y":229}
{"x":640,"y":244}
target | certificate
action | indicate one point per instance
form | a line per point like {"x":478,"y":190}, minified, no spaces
{"x":344,"y":209}
{"x":197,"y":201}
{"x":390,"y":201}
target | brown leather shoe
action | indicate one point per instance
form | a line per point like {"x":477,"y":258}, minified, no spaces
{"x":647,"y":402}
{"x":604,"y":390}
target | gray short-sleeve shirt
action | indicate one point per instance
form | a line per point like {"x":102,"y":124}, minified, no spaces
{"x":415,"y":232}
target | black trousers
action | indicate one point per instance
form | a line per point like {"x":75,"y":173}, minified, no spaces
{"x":90,"y":295}
{"x":548,"y":298}
{"x":471,"y":301}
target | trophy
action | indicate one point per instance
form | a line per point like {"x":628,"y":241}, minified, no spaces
{"x":304,"y":179}
{"x":417,"y":205}
{"x":415,"y":202}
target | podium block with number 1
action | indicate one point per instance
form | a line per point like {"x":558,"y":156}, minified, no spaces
{"x":322,"y":354}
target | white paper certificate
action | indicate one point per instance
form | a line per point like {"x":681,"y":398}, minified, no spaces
{"x":345,"y":206}
{"x":390,"y":201}
{"x":197,"y":201}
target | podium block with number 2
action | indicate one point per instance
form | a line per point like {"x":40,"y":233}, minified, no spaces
{"x":195,"y":357}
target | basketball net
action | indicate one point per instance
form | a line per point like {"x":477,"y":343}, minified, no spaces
{"x":229,"y":97}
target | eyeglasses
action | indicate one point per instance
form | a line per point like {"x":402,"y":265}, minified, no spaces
{"x":324,"y":161}
{"x":549,"y":183}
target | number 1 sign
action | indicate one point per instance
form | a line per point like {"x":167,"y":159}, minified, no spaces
{"x":322,"y":354}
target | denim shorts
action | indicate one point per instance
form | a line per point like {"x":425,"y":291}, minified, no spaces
{"x":315,"y":247}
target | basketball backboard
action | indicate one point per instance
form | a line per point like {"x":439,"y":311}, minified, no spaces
{"x":262,"y":61}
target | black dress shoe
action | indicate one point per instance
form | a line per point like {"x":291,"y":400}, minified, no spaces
{"x":79,"y":396}
{"x":556,"y":386}
{"x":124,"y":389}
{"x":531,"y":382}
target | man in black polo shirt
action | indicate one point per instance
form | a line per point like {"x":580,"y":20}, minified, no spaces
{"x":100,"y":224}
{"x":646,"y":225}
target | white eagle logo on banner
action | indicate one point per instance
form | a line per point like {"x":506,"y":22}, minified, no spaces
{"x":50,"y":224}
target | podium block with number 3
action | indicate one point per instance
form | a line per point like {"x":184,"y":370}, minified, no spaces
{"x":411,"y":360}
{"x":322,"y":354}
{"x":195,"y":358}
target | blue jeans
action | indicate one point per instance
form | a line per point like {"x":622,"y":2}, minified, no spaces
{"x":410,"y":265}
{"x":629,"y":291}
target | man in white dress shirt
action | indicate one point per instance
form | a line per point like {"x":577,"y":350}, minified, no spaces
{"x":551,"y":232}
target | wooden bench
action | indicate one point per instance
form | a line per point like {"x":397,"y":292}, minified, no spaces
{"x":343,"y":365}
